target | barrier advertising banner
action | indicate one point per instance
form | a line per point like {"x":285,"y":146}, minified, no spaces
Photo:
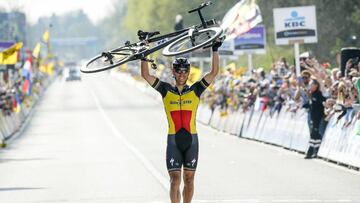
{"x":251,"y":42}
{"x":295,"y":24}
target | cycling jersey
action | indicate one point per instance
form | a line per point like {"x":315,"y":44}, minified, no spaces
{"x":181,"y":107}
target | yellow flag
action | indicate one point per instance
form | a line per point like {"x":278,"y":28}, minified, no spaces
{"x":50,"y":68}
{"x":231,"y":67}
{"x":159,"y":70}
{"x":36,"y":51}
{"x":9,"y":56}
{"x":43,"y":68}
{"x":195,"y":74}
{"x":46,"y":36}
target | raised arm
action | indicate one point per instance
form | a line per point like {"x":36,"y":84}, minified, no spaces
{"x":210,"y":77}
{"x":145,"y":73}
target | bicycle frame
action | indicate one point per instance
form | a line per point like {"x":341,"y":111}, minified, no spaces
{"x":139,"y":49}
{"x":174,"y":36}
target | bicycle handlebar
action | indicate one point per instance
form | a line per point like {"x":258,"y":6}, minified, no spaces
{"x":201,"y":6}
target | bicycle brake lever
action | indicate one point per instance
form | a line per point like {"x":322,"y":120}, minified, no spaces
{"x":108,"y":57}
{"x":209,"y":45}
{"x":147,"y":60}
{"x":153,"y":66}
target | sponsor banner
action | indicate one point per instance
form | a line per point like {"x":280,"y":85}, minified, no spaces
{"x":251,"y":42}
{"x":227,"y":48}
{"x":242,"y":17}
{"x":295,"y":24}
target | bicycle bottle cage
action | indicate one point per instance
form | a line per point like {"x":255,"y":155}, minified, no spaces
{"x":146,"y":35}
{"x":211,"y":23}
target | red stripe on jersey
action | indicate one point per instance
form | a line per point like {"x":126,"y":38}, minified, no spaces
{"x":181,"y":119}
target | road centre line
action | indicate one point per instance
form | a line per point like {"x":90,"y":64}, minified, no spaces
{"x":147,"y":164}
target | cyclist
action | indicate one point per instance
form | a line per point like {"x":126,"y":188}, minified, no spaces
{"x":181,"y":102}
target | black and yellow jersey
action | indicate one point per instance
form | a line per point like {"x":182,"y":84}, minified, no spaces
{"x":181,"y":107}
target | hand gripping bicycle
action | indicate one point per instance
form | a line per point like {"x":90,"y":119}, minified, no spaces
{"x":175,"y":43}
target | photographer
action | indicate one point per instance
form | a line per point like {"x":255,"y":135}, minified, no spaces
{"x":316,"y":115}
{"x":351,"y":64}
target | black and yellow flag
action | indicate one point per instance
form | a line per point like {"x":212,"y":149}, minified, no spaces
{"x":9,"y":56}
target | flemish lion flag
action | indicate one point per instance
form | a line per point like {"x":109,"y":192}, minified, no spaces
{"x":10,"y":55}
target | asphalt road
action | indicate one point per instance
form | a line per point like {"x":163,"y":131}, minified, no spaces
{"x":104,"y":140}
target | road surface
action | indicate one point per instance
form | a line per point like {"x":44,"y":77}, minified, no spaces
{"x":104,"y":140}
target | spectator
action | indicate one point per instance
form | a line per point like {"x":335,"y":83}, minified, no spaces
{"x":316,"y":115}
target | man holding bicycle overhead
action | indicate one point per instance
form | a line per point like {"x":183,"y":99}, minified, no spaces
{"x":181,"y":102}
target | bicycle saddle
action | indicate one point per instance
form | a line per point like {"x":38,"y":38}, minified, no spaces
{"x":146,"y":35}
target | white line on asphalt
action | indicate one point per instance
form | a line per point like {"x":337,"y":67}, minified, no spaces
{"x":343,"y":168}
{"x":260,"y":201}
{"x":157,"y":175}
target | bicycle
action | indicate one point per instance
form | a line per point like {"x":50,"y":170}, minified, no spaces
{"x":175,"y":43}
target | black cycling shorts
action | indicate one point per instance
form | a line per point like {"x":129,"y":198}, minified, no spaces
{"x":179,"y":154}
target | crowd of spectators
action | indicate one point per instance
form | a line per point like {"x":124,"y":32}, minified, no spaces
{"x":281,"y":88}
{"x":321,"y":90}
{"x":16,"y":89}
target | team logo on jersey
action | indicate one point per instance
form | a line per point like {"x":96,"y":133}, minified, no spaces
{"x":182,"y":102}
{"x":172,"y":161}
{"x":193,"y":162}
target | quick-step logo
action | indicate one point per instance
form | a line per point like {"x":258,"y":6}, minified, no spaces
{"x":178,"y":102}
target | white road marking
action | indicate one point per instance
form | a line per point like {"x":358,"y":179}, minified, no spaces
{"x":260,"y":201}
{"x":154,"y":172}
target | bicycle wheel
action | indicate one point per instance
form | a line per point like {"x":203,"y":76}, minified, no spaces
{"x":108,"y":60}
{"x":185,"y":44}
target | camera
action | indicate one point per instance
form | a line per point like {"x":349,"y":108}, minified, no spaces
{"x":355,"y":62}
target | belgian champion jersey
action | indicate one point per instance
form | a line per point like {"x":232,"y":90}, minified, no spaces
{"x":181,"y":107}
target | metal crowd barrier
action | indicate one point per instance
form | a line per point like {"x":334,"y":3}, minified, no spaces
{"x":10,"y":124}
{"x":285,"y":129}
{"x":289,"y":130}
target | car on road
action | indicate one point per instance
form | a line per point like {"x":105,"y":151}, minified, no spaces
{"x":73,"y":75}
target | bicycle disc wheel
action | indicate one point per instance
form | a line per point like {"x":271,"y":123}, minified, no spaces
{"x":185,"y":44}
{"x":108,"y":60}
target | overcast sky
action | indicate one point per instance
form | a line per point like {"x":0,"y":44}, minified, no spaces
{"x":95,"y":9}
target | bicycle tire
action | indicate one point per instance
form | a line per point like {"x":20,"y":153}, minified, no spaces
{"x":202,"y":38}
{"x":99,"y":63}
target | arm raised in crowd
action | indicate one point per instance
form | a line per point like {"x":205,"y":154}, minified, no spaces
{"x":316,"y":70}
